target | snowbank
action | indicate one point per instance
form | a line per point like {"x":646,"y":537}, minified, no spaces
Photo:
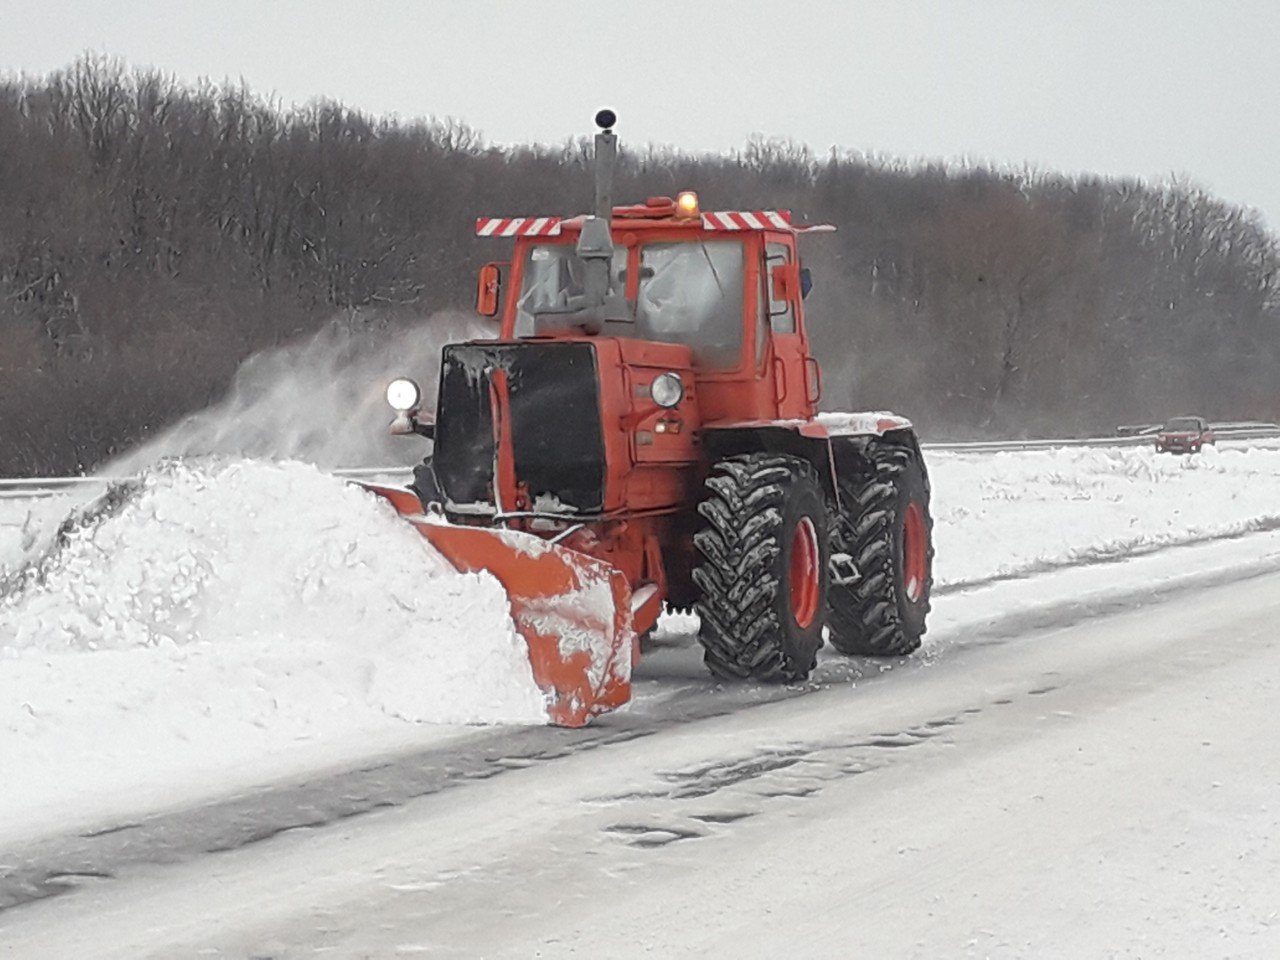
{"x":217,"y":612}
{"x":1013,"y":514}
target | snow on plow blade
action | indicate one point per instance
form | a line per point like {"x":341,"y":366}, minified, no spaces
{"x":574,"y":611}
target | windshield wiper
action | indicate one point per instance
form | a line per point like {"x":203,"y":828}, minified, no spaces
{"x":719,"y":286}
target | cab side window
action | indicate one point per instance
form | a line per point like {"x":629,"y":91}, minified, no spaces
{"x":782,"y":314}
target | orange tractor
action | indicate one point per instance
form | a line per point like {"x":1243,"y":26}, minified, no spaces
{"x":644,"y":432}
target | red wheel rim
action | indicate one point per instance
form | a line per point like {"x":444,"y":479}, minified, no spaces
{"x":804,"y":576}
{"x":914,"y":552}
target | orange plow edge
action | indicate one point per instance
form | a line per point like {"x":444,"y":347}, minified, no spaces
{"x":573,"y":611}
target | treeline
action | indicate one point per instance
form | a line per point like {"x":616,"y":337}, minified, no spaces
{"x":154,"y":235}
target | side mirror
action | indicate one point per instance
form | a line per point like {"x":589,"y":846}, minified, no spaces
{"x":806,"y":282}
{"x":488,"y":286}
{"x":786,"y":278}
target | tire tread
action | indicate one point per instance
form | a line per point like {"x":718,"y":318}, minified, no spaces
{"x":743,"y":510}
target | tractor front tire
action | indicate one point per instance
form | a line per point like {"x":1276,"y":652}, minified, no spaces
{"x":762,"y":568}
{"x":885,"y":528}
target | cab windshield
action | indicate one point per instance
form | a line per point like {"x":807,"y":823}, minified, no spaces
{"x":553,"y":277}
{"x":1182,"y":425}
{"x":688,"y":292}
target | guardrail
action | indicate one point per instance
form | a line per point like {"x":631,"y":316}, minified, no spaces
{"x":1138,"y":435}
{"x":1007,"y":446}
{"x":1130,"y":429}
{"x":35,"y":487}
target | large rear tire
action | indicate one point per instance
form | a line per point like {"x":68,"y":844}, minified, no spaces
{"x":762,"y":568}
{"x":885,"y":528}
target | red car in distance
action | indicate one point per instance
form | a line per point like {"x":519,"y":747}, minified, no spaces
{"x":1184,"y":435}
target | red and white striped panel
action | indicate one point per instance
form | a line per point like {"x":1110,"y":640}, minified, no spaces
{"x":518,"y":226}
{"x":747,"y":220}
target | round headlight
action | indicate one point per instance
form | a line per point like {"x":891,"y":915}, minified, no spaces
{"x":403,"y":395}
{"x":667,"y":389}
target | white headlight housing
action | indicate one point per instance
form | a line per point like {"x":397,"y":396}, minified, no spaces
{"x":403,"y":395}
{"x":667,"y":389}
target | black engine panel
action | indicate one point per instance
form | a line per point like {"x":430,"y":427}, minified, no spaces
{"x":556,"y":430}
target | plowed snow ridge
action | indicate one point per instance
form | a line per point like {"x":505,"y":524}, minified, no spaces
{"x":223,"y":610}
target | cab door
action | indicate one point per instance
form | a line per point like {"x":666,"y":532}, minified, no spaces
{"x":795,"y":373}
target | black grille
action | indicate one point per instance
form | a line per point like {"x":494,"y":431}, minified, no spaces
{"x":555,"y":423}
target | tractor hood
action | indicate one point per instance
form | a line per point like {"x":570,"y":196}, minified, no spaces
{"x":557,"y":428}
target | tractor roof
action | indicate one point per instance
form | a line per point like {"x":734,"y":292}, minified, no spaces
{"x":654,"y":213}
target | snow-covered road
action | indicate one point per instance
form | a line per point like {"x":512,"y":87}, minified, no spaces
{"x":1103,"y":789}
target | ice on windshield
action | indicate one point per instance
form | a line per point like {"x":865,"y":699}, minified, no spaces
{"x":692,"y":293}
{"x":689,"y":293}
{"x":552,"y":279}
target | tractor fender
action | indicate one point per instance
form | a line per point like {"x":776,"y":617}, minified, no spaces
{"x":834,"y":443}
{"x":806,"y":439}
{"x":851,"y":434}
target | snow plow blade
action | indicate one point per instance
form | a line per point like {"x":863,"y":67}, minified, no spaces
{"x":574,"y":611}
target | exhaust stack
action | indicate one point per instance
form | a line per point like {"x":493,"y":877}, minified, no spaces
{"x":606,"y":158}
{"x":600,"y":302}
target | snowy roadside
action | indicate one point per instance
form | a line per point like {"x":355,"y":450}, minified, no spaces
{"x":1013,"y":514}
{"x":227,"y":623}
{"x":243,"y":622}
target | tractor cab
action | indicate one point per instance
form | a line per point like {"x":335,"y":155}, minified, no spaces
{"x":727,"y":285}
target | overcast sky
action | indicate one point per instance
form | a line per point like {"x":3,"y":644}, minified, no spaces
{"x":1145,"y":88}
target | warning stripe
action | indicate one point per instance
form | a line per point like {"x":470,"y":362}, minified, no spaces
{"x":747,"y":220}
{"x":718,"y":220}
{"x":518,"y":226}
